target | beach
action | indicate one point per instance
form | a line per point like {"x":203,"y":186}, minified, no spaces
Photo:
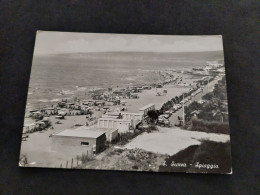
{"x":83,"y":82}
{"x":38,"y":147}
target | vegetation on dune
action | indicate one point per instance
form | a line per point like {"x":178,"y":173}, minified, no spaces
{"x":210,"y":115}
{"x":84,"y":158}
{"x":210,"y":127}
{"x":124,"y":138}
{"x":125,"y":159}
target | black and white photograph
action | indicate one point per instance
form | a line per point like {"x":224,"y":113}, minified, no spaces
{"x":127,"y":102}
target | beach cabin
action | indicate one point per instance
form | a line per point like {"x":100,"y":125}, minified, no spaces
{"x":112,"y":123}
{"x":123,"y":102}
{"x":115,"y":115}
{"x":70,"y":105}
{"x":80,"y":140}
{"x":77,"y":107}
{"x":60,"y":117}
{"x":159,"y":86}
{"x":134,"y":96}
{"x":62,"y":104}
{"x":111,"y":134}
{"x":99,"y":103}
{"x":135,"y":118}
{"x":147,"y":87}
{"x":28,"y":127}
{"x":144,"y":110}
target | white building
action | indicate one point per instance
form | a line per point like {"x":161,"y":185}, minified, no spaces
{"x":134,"y":117}
{"x":147,"y":108}
{"x":112,"y":123}
{"x":111,"y":134}
{"x":111,"y":115}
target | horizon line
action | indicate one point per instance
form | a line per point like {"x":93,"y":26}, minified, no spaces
{"x":125,"y":52}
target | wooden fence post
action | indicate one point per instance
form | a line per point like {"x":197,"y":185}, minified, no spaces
{"x":61,"y":165}
{"x":72,"y":163}
{"x":67,"y":164}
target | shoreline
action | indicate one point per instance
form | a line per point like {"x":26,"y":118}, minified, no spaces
{"x":39,"y":96}
{"x":42,"y":138}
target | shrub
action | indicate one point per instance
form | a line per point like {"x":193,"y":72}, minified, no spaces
{"x":131,"y":157}
{"x":111,"y":153}
{"x":209,"y":127}
{"x":135,"y":167}
{"x":208,"y":96}
{"x":151,"y":128}
{"x":153,"y":115}
{"x":85,"y":158}
{"x":119,"y":151}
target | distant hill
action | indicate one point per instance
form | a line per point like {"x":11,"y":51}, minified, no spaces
{"x":143,"y":55}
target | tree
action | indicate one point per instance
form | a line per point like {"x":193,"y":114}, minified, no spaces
{"x":192,"y":107}
{"x":177,"y":99}
{"x":153,"y":115}
{"x":208,"y":96}
{"x":174,"y":101}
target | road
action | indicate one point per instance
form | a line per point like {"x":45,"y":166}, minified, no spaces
{"x":209,"y":87}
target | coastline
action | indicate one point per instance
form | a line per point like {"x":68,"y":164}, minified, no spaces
{"x":39,"y":143}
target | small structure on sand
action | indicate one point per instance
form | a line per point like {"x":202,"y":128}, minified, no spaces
{"x":80,"y":140}
{"x":135,"y":118}
{"x":111,"y":134}
{"x":147,"y":108}
{"x":114,"y":123}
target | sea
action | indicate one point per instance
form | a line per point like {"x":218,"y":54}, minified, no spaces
{"x":58,"y":76}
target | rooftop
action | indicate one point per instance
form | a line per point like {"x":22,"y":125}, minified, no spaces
{"x":147,"y":106}
{"x":114,"y":119}
{"x":81,"y":132}
{"x":132,"y":113}
{"x":113,"y":113}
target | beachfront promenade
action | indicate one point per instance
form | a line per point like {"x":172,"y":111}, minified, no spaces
{"x":174,"y":117}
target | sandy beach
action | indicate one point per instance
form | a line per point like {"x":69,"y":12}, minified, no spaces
{"x":166,"y":78}
{"x":38,"y":147}
{"x":149,"y":97}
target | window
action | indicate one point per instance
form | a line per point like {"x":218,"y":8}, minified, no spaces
{"x":84,"y":143}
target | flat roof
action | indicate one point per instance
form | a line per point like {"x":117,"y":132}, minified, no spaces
{"x":132,"y":113}
{"x":81,"y":132}
{"x":113,"y":113}
{"x":147,"y":106}
{"x":109,"y":116}
{"x":114,"y":119}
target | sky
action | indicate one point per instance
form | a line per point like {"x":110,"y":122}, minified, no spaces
{"x":50,"y":42}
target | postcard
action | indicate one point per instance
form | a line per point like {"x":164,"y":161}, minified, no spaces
{"x":127,"y":102}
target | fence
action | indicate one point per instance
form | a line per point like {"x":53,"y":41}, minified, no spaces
{"x":78,"y":160}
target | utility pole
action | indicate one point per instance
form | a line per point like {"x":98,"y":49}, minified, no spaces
{"x":208,"y":84}
{"x":183,"y":113}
